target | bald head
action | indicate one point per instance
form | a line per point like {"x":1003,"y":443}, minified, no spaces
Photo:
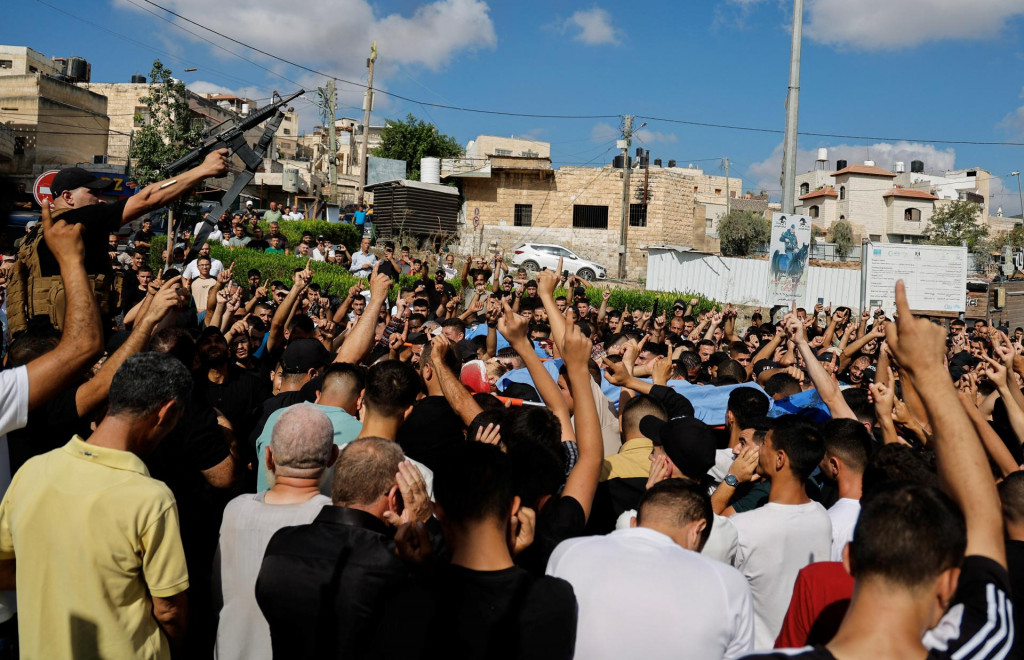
{"x":301,"y":442}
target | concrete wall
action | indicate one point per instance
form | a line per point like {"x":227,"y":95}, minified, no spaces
{"x":25,"y":61}
{"x":743,"y":281}
{"x":896,"y":212}
{"x":485,"y":145}
{"x":552,"y":195}
{"x":59,"y":123}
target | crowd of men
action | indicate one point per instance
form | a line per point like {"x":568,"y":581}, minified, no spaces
{"x":252,"y":469}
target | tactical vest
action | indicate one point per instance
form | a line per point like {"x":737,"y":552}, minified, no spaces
{"x":32,"y":295}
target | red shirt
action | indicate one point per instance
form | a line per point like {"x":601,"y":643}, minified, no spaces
{"x":820,"y":597}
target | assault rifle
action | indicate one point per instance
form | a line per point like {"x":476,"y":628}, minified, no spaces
{"x":230,"y":135}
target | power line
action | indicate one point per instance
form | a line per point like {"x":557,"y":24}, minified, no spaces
{"x":364,"y":86}
{"x":829,"y":135}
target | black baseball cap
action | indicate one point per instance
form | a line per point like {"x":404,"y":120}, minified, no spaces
{"x":679,"y":302}
{"x":688,"y":442}
{"x":303,"y":355}
{"x":71,"y":178}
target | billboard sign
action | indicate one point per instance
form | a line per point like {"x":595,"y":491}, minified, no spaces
{"x":789,"y":250}
{"x":935,"y":275}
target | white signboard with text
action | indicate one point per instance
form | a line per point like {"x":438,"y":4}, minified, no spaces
{"x":935,"y":275}
{"x":789,"y":249}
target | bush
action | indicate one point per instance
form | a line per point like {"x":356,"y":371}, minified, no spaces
{"x":841,"y":233}
{"x":336,"y":280}
{"x":335,"y":232}
{"x":743,"y":232}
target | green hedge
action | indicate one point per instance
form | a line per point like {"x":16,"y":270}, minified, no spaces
{"x":335,"y":232}
{"x":336,"y":280}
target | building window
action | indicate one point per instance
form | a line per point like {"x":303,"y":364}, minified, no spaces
{"x":19,"y":146}
{"x":912,"y":215}
{"x":287,"y":131}
{"x":814,"y":211}
{"x":529,"y":154}
{"x":502,"y":152}
{"x":805,"y":188}
{"x":695,"y":189}
{"x":718,"y":191}
{"x":585,"y":216}
{"x":842,"y":217}
{"x":842,"y":192}
{"x":6,"y":64}
{"x":637,"y":215}
{"x":523,"y":215}
{"x":32,"y":69}
{"x":141,"y":116}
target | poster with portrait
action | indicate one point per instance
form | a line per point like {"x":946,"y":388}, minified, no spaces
{"x":788,"y":253}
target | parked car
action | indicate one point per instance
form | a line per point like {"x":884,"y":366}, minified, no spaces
{"x":535,"y":256}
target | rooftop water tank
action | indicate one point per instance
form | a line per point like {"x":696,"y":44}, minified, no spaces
{"x":430,"y":170}
{"x":138,"y":79}
{"x":917,"y":166}
{"x":840,"y":164}
{"x":900,"y":168}
{"x":822,"y":153}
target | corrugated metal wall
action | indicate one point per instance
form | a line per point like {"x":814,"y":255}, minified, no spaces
{"x":401,"y":209}
{"x":742,"y":281}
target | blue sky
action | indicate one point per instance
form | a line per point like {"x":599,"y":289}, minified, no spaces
{"x":928,"y":69}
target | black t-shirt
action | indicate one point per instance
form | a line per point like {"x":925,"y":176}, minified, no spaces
{"x":260,"y":245}
{"x":145,"y":237}
{"x":562,"y":518}
{"x":430,"y":430}
{"x":978,"y":619}
{"x":49,"y":426}
{"x":384,"y":267}
{"x":480,"y":615}
{"x":100,"y":221}
{"x":1015,"y":566}
{"x":131,"y":297}
{"x":239,"y":398}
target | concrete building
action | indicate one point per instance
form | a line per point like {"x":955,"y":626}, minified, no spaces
{"x":515,"y":199}
{"x":23,"y":61}
{"x":54,"y":123}
{"x":888,"y":206}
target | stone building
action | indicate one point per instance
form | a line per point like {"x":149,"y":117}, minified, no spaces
{"x":514,"y":199}
{"x":889,"y":206}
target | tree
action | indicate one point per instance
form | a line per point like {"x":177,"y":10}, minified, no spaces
{"x":169,"y":130}
{"x":742,"y":232}
{"x":1014,"y":238}
{"x":841,"y":233}
{"x":958,"y":223}
{"x":413,"y":139}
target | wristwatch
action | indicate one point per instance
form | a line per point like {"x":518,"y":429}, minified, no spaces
{"x":731,"y":480}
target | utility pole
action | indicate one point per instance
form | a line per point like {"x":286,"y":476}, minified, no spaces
{"x":624,"y":143}
{"x":1019,"y":193}
{"x":332,"y":139}
{"x":728,"y":202}
{"x":367,"y":106}
{"x":328,"y":113}
{"x":792,"y":112}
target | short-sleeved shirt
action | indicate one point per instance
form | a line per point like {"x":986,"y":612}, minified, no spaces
{"x":235,"y":241}
{"x":978,"y":624}
{"x":201,"y":291}
{"x":346,"y":429}
{"x":271,"y":216}
{"x":94,"y":535}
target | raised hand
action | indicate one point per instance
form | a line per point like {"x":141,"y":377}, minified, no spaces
{"x":414,"y":495}
{"x":512,"y":326}
{"x":744,"y":467}
{"x":661,"y":469}
{"x":521,"y":532}
{"x":917,"y":344}
{"x":489,"y":435}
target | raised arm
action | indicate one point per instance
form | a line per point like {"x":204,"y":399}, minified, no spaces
{"x":827,"y":388}
{"x":919,"y":345}
{"x":454,"y":391}
{"x":94,"y":391}
{"x":161,"y":194}
{"x":360,"y":340}
{"x":81,"y":341}
{"x":582,"y":481}
{"x":513,"y":327}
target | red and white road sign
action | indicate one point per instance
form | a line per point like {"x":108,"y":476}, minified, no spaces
{"x":41,"y":188}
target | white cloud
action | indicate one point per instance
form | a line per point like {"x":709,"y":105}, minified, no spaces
{"x":593,"y":27}
{"x":764,"y":175}
{"x":649,"y":136}
{"x":206,"y":87}
{"x":336,"y":36}
{"x":1014,"y":122}
{"x":898,"y":24}
{"x":604,"y":132}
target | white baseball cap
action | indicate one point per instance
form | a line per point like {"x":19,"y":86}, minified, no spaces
{"x":248,"y":202}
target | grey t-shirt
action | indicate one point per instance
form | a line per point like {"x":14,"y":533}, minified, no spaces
{"x":245,"y":531}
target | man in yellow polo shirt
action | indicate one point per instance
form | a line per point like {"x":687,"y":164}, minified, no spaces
{"x":100,"y":570}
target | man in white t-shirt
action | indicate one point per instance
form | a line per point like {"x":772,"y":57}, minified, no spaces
{"x":192,"y":269}
{"x":847,"y":444}
{"x":300,"y":452}
{"x":646,"y":593}
{"x":787,"y":533}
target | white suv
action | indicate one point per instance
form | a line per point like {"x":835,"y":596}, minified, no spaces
{"x":535,"y":256}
